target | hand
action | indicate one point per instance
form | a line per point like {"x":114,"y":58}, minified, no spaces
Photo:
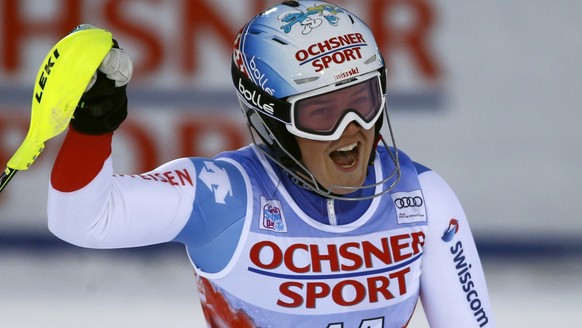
{"x":103,"y":106}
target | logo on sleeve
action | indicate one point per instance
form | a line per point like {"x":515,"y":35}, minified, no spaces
{"x":451,"y":230}
{"x":272,"y":218}
{"x":409,"y":206}
{"x":216,"y":180}
{"x":463,"y":266}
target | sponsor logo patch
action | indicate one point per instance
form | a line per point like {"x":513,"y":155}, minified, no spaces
{"x":409,"y":206}
{"x":272,"y":218}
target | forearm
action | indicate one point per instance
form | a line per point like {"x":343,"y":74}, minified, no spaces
{"x":79,"y":160}
{"x":453,"y":288}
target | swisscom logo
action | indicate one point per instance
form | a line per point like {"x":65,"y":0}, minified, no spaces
{"x":462,"y":265}
{"x":451,"y":230}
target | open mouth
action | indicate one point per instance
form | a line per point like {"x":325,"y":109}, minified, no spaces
{"x":345,"y":157}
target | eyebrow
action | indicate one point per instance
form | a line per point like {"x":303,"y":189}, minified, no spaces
{"x":357,"y":91}
{"x":317,"y":100}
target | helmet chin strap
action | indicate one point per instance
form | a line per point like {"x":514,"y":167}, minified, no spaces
{"x":304,"y":178}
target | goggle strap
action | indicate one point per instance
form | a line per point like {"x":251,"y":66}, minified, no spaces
{"x":258,"y":98}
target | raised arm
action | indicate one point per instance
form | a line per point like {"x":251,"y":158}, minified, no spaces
{"x":88,"y":205}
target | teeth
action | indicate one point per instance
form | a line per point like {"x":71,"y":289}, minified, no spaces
{"x":348,"y":165}
{"x":348,"y":147}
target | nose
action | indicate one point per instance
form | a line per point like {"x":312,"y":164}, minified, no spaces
{"x":352,"y":128}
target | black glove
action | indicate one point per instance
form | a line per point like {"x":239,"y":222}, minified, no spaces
{"x":103,"y":107}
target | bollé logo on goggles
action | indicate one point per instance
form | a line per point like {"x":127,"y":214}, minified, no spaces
{"x":254,"y":98}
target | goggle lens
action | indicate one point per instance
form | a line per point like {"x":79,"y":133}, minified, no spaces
{"x":322,"y":114}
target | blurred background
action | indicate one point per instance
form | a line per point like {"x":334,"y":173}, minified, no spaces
{"x":487,"y":93}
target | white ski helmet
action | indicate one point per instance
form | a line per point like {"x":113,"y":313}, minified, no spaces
{"x":300,"y":49}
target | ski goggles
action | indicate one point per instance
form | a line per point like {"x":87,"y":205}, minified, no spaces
{"x":324,"y":114}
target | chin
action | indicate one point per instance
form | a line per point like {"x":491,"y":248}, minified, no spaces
{"x":355,"y":183}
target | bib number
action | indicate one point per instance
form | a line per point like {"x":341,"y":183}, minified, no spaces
{"x":367,"y":323}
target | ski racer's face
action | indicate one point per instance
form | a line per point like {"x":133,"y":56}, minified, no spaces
{"x":342,"y":162}
{"x":349,"y":114}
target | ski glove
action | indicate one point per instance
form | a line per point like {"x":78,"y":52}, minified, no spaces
{"x":103,"y":106}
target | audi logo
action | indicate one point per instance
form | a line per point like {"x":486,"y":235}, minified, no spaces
{"x":405,"y":202}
